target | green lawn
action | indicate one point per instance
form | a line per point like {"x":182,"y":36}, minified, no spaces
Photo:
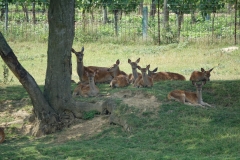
{"x":168,"y":131}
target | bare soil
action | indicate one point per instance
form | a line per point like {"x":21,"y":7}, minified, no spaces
{"x":81,"y":128}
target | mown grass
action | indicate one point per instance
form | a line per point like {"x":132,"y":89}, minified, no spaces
{"x":173,"y":131}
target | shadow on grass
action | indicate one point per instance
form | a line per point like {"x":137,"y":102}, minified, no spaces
{"x":176,"y":131}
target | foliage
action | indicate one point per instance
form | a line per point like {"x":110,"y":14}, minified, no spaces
{"x":89,"y":115}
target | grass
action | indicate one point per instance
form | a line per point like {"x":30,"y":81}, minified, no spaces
{"x":172,"y":131}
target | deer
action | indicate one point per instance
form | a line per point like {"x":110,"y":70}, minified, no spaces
{"x":197,"y":76}
{"x":189,"y":98}
{"x":134,"y":75}
{"x":144,"y":80}
{"x":103,"y":75}
{"x":87,"y":90}
{"x":2,"y":135}
{"x":120,"y":78}
{"x":161,"y":76}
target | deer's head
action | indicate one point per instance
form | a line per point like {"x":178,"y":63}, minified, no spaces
{"x":114,"y":67}
{"x":144,"y":70}
{"x":150,"y":73}
{"x":134,"y":64}
{"x":206,"y":74}
{"x":79,"y":54}
{"x":91,"y":74}
{"x":199,"y":85}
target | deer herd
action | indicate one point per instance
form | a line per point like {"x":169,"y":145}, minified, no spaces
{"x":90,"y":75}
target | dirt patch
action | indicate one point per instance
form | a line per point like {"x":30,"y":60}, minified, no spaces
{"x":80,"y":128}
{"x":138,"y":99}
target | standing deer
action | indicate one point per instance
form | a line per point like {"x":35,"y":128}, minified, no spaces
{"x":120,"y":77}
{"x":197,"y":76}
{"x":89,"y":89}
{"x":134,"y":75}
{"x":2,"y":134}
{"x":144,"y":80}
{"x":160,"y":76}
{"x":103,"y":75}
{"x":189,"y":98}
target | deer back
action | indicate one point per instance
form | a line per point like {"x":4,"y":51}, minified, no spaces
{"x":202,"y":75}
{"x":103,"y":75}
{"x":119,"y":81}
{"x":161,"y":76}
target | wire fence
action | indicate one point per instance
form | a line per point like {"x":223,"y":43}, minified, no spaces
{"x":139,"y":26}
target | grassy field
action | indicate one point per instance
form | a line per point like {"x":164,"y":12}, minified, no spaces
{"x":168,"y":130}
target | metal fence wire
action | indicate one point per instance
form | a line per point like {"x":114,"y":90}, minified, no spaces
{"x":147,"y":24}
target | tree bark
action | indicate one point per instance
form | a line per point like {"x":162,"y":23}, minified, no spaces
{"x":57,"y":88}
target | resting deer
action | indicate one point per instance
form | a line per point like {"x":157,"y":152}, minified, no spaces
{"x":189,"y":98}
{"x":160,"y":76}
{"x":120,"y":77}
{"x":103,"y":75}
{"x":2,"y":134}
{"x":89,"y":89}
{"x":197,"y":76}
{"x":134,"y":75}
{"x":144,"y":80}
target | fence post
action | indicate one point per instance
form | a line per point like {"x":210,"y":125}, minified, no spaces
{"x":235,"y":24}
{"x":145,"y":22}
{"x":6,"y":15}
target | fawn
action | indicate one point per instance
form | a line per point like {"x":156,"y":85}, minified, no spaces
{"x":89,"y":89}
{"x":2,"y":134}
{"x":144,"y":80}
{"x":134,"y":75}
{"x":120,"y":78}
{"x":197,"y":76}
{"x":103,"y":75}
{"x":189,"y":98}
{"x":159,"y":76}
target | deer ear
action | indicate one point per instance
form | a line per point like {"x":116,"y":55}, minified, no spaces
{"x":139,"y":67}
{"x":148,"y":66}
{"x":202,"y":70}
{"x":82,"y":49}
{"x":210,"y":70}
{"x":73,"y":50}
{"x":155,"y":70}
{"x":118,"y":62}
{"x":129,"y":61}
{"x":138,"y":60}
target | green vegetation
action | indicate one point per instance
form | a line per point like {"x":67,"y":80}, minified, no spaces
{"x":169,"y":131}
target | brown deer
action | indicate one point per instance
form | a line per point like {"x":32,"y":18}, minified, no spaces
{"x":189,"y":98}
{"x":103,"y":75}
{"x":120,"y":77}
{"x":2,"y":135}
{"x":134,"y":75}
{"x":197,"y":76}
{"x":89,"y":89}
{"x":160,"y":76}
{"x":144,"y":80}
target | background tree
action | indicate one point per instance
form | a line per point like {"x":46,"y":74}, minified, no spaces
{"x":181,"y":7}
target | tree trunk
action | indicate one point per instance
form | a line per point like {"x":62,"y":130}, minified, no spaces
{"x":105,"y":18}
{"x":166,"y":15}
{"x":140,"y":8}
{"x":57,"y":88}
{"x":25,"y":10}
{"x":153,"y":9}
{"x":34,"y":12}
{"x":116,"y":22}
